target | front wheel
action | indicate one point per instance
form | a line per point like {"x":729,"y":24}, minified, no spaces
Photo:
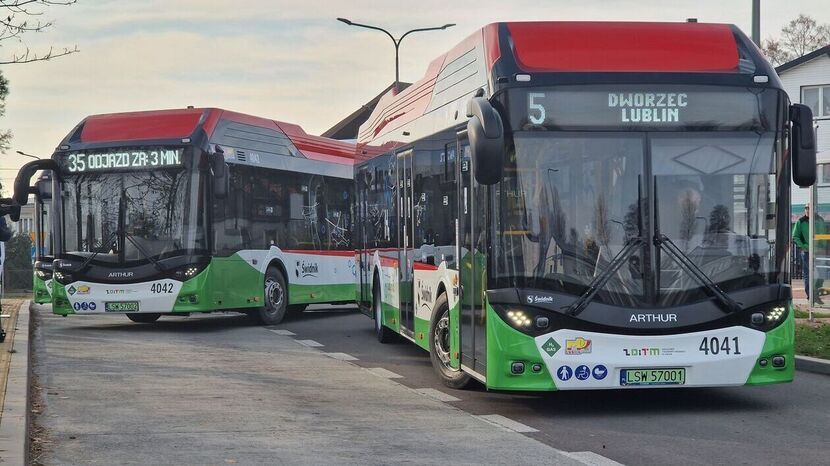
{"x":146,"y":318}
{"x":439,"y":346}
{"x":276,"y":299}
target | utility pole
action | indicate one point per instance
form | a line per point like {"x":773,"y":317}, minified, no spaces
{"x":756,"y":22}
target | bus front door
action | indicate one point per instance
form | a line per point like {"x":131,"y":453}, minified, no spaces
{"x":472,"y":261}
{"x":364,"y":294}
{"x":405,"y":241}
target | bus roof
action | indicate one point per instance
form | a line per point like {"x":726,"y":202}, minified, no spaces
{"x":497,"y":52}
{"x":176,"y":124}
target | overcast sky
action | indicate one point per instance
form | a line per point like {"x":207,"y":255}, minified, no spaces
{"x":285,"y":60}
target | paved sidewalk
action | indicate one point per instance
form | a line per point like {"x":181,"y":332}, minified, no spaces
{"x":14,"y":406}
{"x":213,"y":390}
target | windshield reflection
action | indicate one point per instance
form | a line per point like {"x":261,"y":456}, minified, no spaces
{"x":571,"y":202}
{"x":133,"y":216}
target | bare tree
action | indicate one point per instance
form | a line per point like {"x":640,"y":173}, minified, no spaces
{"x":798,"y":38}
{"x":21,"y":17}
{"x":775,"y":52}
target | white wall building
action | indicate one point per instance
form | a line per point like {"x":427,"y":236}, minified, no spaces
{"x":807,"y":80}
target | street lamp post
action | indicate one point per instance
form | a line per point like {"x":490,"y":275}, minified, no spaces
{"x":397,"y":41}
{"x":27,"y":155}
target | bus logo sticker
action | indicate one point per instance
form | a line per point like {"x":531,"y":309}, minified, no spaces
{"x":551,"y":347}
{"x":71,"y":290}
{"x":306,"y":269}
{"x":83,"y":289}
{"x":582,"y":372}
{"x":564,"y":373}
{"x":599,"y":372}
{"x":577,"y":346}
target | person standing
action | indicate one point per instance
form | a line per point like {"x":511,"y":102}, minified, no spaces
{"x":5,"y":235}
{"x":801,"y":238}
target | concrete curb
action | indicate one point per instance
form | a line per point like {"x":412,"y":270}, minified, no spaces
{"x":14,"y":437}
{"x":810,"y":364}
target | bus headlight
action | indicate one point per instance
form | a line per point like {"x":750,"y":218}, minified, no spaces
{"x":63,"y":277}
{"x":43,"y":274}
{"x":769,"y":316}
{"x":518,"y":318}
{"x":189,"y":271}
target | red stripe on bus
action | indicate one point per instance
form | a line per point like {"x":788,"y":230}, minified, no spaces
{"x":422,"y":266}
{"x":319,"y":253}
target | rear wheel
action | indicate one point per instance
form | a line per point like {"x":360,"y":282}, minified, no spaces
{"x":276,"y":299}
{"x":146,"y":318}
{"x":439,"y":346}
{"x":384,"y":333}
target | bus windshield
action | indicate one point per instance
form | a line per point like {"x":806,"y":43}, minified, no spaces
{"x":133,"y":216}
{"x":571,"y":202}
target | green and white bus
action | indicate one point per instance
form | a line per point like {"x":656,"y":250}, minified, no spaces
{"x":564,"y":206}
{"x":198,"y":210}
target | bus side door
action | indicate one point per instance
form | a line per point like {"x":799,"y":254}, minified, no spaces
{"x":405,"y":242}
{"x":472,"y":201}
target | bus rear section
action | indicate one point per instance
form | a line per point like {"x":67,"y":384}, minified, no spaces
{"x":202,"y":210}
{"x":593,"y":223}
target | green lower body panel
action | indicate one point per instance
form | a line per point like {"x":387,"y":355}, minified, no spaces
{"x":506,"y":345}
{"x":422,"y":335}
{"x":780,"y":341}
{"x":391,"y":317}
{"x":40,"y":292}
{"x":311,"y":294}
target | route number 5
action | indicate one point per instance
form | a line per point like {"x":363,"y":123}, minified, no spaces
{"x":534,"y":107}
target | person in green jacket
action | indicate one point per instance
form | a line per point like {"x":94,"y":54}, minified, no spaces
{"x":801,"y":238}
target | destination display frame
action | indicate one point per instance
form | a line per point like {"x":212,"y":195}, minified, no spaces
{"x":122,"y":159}
{"x":642,"y":107}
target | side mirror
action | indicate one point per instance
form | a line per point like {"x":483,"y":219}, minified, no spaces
{"x":24,"y":177}
{"x":486,"y":134}
{"x":221,"y":180}
{"x":803,"y":145}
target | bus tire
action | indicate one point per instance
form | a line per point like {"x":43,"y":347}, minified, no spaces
{"x":276,"y":299}
{"x":145,"y":318}
{"x":383,"y":333}
{"x":439,"y":346}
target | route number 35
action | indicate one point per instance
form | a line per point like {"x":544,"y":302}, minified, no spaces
{"x":717,"y":345}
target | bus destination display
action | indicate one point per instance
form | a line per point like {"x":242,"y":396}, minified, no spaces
{"x":82,"y":162}
{"x":636,"y":107}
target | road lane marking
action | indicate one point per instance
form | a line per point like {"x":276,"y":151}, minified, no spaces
{"x":341,"y":356}
{"x":592,"y":459}
{"x":386,"y":374}
{"x":286,"y":333}
{"x":436,"y":394}
{"x":309,"y":343}
{"x":506,"y":423}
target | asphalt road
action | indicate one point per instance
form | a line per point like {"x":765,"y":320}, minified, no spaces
{"x":213,"y":389}
{"x":777,"y":424}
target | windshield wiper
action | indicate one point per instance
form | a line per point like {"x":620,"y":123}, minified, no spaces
{"x":663,"y":242}
{"x":143,"y":251}
{"x":600,"y":280}
{"x":95,"y":253}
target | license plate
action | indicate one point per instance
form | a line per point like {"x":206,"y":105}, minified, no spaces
{"x":630,"y":377}
{"x":121,"y":306}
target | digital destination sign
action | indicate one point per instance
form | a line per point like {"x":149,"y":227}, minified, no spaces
{"x":628,"y":106}
{"x":121,"y":159}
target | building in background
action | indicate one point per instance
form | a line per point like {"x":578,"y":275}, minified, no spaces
{"x":807,"y":80}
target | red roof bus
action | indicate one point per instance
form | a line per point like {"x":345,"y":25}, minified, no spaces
{"x":580,"y":205}
{"x":196,"y":210}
